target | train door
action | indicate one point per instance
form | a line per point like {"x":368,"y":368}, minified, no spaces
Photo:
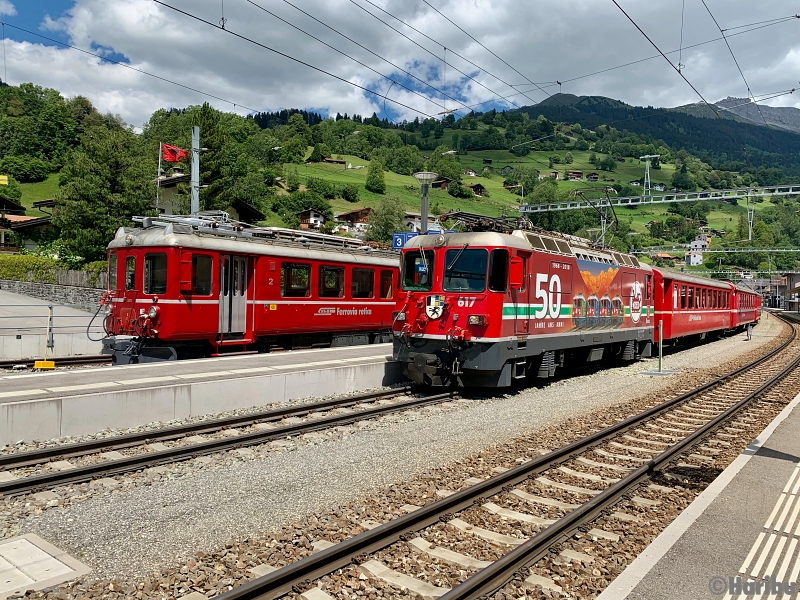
{"x":521,"y":297}
{"x":233,"y":280}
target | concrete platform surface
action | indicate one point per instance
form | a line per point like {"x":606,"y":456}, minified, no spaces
{"x":80,"y":401}
{"x":739,"y":539}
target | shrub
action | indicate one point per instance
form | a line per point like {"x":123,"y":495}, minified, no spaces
{"x":350,"y":192}
{"x":22,"y":267}
{"x":25,"y":168}
{"x":375,"y":182}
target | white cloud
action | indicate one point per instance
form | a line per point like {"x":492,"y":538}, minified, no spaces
{"x":7,"y":8}
{"x":542,"y":40}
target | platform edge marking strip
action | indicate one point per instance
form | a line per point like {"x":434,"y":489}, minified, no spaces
{"x":787,"y":560}
{"x":643,"y":564}
{"x":750,"y":555}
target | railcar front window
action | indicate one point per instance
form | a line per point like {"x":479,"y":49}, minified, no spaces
{"x":201,"y":275}
{"x":130,"y":273}
{"x":465,"y":270}
{"x":112,"y":272}
{"x":418,"y":270}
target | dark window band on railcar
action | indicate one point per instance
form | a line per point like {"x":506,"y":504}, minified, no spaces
{"x":130,"y":273}
{"x":331,"y":282}
{"x":112,"y":271}
{"x":387,"y":285}
{"x":498,"y":270}
{"x":363,"y":284}
{"x":202,"y":266}
{"x":155,"y":273}
{"x":295,"y":280}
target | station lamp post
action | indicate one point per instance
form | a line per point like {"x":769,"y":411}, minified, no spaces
{"x":425,"y":178}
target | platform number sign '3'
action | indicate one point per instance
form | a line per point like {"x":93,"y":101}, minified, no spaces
{"x":550,"y":295}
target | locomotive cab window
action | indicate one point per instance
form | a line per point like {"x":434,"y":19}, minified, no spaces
{"x":130,"y":273}
{"x":201,"y":274}
{"x":112,"y":272}
{"x":498,"y":270}
{"x":155,"y":274}
{"x":387,"y":284}
{"x":331,"y":282}
{"x":363,"y":283}
{"x":418,"y":270}
{"x":295,"y":280}
{"x":465,"y":270}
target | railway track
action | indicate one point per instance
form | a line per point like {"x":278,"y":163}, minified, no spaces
{"x":550,"y":499}
{"x":32,"y":470}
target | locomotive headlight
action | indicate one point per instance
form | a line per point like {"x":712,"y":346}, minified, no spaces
{"x":476,"y":320}
{"x":152,"y":313}
{"x":398,"y":316}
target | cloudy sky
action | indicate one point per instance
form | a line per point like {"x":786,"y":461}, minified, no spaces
{"x":541,"y":42}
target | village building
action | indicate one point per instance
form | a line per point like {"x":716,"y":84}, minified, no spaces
{"x":354,"y":222}
{"x":507,"y":170}
{"x":575,"y":175}
{"x":477,"y":188}
{"x":413,"y":222}
{"x":470,"y":173}
{"x":441,"y":183}
{"x":311,"y":219}
{"x":694,"y":259}
{"x":593,"y":177}
{"x":659,"y":187}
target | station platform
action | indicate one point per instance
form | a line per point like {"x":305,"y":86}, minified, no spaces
{"x":739,"y":539}
{"x":24,"y":328}
{"x":39,"y":406}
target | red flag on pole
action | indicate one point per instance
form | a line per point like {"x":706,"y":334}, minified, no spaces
{"x":173,"y":153}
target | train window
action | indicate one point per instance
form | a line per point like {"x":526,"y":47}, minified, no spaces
{"x":498,"y":270}
{"x":295,"y":280}
{"x":112,"y":272}
{"x":130,"y":273}
{"x":563,"y":247}
{"x":387,"y":284}
{"x":691,"y":301}
{"x":635,"y":262}
{"x":648,"y":286}
{"x":418,"y":270}
{"x":155,"y":274}
{"x":465,"y":270}
{"x":535,"y":241}
{"x":201,"y":274}
{"x":363,"y":283}
{"x":243,"y":276}
{"x":550,"y":244}
{"x":331,"y":282}
{"x":235,"y":277}
{"x":683,"y":296}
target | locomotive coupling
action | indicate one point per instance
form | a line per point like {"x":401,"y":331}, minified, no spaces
{"x":425,"y":363}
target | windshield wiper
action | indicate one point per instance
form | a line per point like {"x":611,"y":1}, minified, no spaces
{"x":455,"y":260}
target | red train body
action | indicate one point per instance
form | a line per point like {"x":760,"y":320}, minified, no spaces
{"x":485,"y":309}
{"x":194,"y":288}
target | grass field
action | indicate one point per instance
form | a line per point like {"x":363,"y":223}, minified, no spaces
{"x":33,"y":192}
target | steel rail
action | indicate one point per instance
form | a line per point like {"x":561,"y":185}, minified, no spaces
{"x":355,"y":549}
{"x":43,"y":455}
{"x":135,"y":463}
{"x":500,"y":572}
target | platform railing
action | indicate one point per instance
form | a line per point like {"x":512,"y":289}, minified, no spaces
{"x":49,"y":318}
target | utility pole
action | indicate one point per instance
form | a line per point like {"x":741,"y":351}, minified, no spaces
{"x":195,"y":177}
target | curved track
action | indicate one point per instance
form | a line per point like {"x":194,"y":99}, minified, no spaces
{"x":605,"y":467}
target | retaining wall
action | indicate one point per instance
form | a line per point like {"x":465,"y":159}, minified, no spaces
{"x":87,"y":298}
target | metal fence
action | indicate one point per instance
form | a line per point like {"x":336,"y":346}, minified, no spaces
{"x":49,"y":322}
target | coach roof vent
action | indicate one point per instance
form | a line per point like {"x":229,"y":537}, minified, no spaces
{"x":563,"y":247}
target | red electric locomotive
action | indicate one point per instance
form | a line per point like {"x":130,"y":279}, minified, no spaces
{"x":202,"y":286}
{"x":488,"y":308}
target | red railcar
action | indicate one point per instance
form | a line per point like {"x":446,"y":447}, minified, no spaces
{"x":746,"y":308}
{"x":200,"y":286}
{"x":488,"y":308}
{"x":687,"y":305}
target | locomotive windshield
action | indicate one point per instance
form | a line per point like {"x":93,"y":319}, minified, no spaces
{"x":418,"y":270}
{"x":465,"y":270}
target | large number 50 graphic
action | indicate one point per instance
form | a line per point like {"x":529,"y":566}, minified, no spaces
{"x":551,"y":302}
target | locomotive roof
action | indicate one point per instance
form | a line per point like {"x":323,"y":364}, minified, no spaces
{"x":539,"y":241}
{"x":676,"y":276}
{"x":181,"y":236}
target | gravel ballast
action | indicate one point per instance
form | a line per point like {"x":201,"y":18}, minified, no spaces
{"x":136,"y":530}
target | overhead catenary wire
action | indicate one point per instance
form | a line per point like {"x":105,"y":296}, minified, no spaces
{"x":132,"y":68}
{"x":747,"y":85}
{"x":469,"y":77}
{"x":386,"y":60}
{"x":292,"y":58}
{"x":366,"y":66}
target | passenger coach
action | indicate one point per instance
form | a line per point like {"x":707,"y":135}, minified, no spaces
{"x":188,"y":287}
